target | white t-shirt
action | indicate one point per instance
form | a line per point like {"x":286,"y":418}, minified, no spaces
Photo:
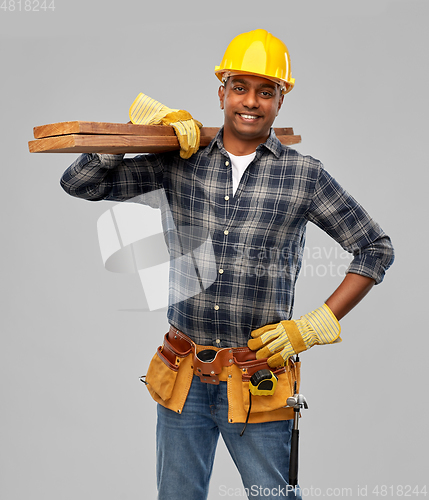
{"x":239,"y":165}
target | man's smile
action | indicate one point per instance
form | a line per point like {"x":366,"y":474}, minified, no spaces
{"x":246,"y":116}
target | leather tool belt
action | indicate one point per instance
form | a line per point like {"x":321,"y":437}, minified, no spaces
{"x":179,"y":359}
{"x":208,"y":362}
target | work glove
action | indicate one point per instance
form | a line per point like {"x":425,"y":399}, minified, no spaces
{"x":146,"y":111}
{"x":280,"y":341}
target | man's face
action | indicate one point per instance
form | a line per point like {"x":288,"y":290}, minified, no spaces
{"x":250,"y":104}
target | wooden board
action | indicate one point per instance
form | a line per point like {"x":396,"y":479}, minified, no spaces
{"x":113,"y":144}
{"x":92,"y":128}
{"x":116,"y":144}
{"x":115,"y":138}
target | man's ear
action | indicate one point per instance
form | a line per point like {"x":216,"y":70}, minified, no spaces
{"x":221,"y":94}
{"x":280,"y":103}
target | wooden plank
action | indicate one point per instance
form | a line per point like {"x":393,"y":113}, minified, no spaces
{"x":283,"y":131}
{"x":115,"y":144}
{"x":103,"y":144}
{"x":92,"y":128}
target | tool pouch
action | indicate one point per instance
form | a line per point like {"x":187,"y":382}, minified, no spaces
{"x":286,"y":377}
{"x":263,"y":408}
{"x":170,"y":373}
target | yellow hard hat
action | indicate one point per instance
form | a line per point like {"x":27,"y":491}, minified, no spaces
{"x":258,"y":53}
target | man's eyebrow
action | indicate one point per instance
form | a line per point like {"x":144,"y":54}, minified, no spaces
{"x":270,"y":85}
{"x":238,"y":80}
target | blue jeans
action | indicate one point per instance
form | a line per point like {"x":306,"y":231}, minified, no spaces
{"x":186,"y":447}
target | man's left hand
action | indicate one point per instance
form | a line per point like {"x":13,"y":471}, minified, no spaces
{"x":278,"y":342}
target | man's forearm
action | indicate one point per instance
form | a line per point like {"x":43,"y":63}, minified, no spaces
{"x":351,"y":291}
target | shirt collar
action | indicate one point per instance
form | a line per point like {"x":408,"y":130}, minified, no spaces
{"x":272,"y":143}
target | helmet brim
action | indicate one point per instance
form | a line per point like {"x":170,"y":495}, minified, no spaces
{"x":223,"y":74}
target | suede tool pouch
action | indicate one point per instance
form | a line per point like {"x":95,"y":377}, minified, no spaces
{"x":264,"y":408}
{"x":169,"y":376}
{"x":161,"y":376}
{"x":284,"y":390}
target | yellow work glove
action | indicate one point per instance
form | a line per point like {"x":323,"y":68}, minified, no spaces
{"x":282,"y":340}
{"x":146,"y":111}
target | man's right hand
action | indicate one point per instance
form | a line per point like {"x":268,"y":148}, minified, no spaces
{"x":146,"y":111}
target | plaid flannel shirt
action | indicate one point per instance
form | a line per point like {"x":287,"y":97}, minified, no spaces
{"x":258,"y":235}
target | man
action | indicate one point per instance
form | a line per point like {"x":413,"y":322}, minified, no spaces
{"x":254,"y":197}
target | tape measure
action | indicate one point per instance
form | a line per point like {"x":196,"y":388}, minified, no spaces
{"x":263,"y":383}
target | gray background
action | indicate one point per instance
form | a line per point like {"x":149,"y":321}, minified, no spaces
{"x":75,"y":420}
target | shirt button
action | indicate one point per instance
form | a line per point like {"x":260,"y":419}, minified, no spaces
{"x":216,"y":307}
{"x":227,"y":163}
{"x":217,"y":341}
{"x":220,"y":271}
{"x":226,"y":232}
{"x":226,"y":198}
